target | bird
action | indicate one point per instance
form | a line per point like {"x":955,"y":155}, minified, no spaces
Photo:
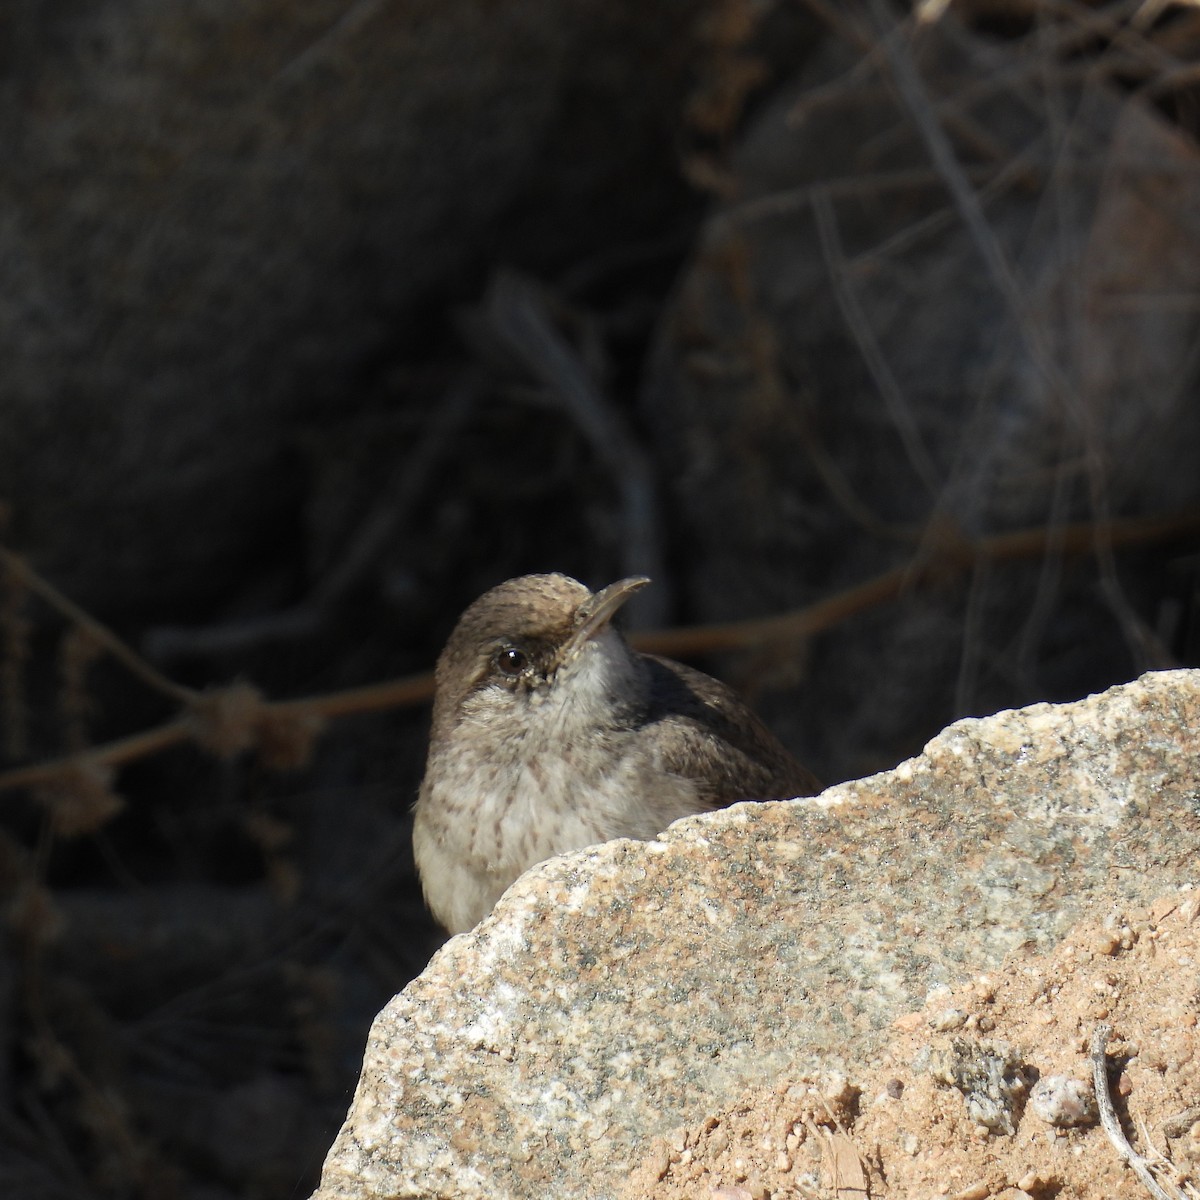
{"x":550,"y":733}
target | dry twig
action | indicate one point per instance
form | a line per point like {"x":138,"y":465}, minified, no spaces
{"x":369,"y":541}
{"x":124,"y":654}
{"x":885,"y":381}
{"x":949,"y":556}
{"x":916,"y":98}
{"x":357,"y":16}
{"x":518,"y":314}
{"x":1112,"y":1127}
{"x":396,"y":693}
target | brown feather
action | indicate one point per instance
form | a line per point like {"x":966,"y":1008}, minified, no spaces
{"x":708,"y":734}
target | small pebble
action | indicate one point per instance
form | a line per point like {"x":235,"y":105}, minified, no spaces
{"x":1032,"y":1183}
{"x":660,"y":1161}
{"x":977,"y":1191}
{"x":1063,"y":1102}
{"x":839,"y":1093}
{"x":947,"y":1019}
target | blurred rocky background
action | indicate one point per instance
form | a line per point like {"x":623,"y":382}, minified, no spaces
{"x":319,"y":318}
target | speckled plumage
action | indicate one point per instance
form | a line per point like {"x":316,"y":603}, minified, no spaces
{"x":589,"y":740}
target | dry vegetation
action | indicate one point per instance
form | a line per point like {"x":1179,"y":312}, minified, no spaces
{"x":205,"y":880}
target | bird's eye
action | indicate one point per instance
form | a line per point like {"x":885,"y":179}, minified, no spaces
{"x":510,"y":661}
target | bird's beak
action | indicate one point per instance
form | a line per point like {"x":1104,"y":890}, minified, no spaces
{"x":598,"y":610}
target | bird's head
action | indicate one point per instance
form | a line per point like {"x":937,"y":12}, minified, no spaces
{"x":532,"y":641}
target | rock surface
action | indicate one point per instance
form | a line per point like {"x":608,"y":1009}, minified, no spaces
{"x":621,"y":992}
{"x":986,"y":1092}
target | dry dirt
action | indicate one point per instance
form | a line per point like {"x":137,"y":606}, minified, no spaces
{"x":916,"y":1123}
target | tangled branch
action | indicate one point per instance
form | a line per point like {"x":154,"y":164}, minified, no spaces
{"x":237,"y":718}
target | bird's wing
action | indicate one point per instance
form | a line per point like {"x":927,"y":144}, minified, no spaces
{"x":709,"y":735}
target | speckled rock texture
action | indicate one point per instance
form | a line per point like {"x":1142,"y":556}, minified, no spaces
{"x":620,"y":992}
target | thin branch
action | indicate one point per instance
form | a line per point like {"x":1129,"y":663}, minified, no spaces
{"x":978,"y":591}
{"x":1112,"y":1127}
{"x":402,"y":492}
{"x":111,"y":754}
{"x":957,"y":181}
{"x":123,"y":653}
{"x":396,"y":693}
{"x":167,"y":642}
{"x":518,"y":314}
{"x":404,"y":488}
{"x":789,"y":200}
{"x":1018,"y":172}
{"x":949,"y":556}
{"x":357,"y":16}
{"x":393,"y":693}
{"x":839,"y":20}
{"x":856,"y":320}
{"x":917,"y":100}
{"x":842,"y":492}
{"x":1112,"y":25}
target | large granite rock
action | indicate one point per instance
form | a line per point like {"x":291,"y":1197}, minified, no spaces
{"x":622,"y":991}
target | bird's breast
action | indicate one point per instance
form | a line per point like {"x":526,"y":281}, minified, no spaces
{"x":501,"y":811}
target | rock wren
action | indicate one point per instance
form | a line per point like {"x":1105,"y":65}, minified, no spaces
{"x":551,"y":733}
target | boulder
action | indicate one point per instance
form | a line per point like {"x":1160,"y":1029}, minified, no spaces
{"x":620,"y":992}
